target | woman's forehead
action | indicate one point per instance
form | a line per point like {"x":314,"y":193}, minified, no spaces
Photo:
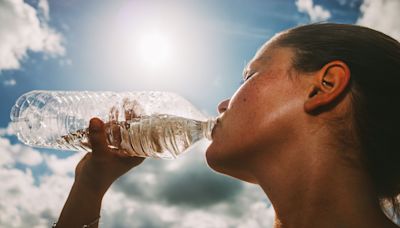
{"x":270,"y":57}
{"x":265,"y":55}
{"x":270,"y":44}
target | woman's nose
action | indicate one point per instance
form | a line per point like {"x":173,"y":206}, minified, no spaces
{"x":223,"y":106}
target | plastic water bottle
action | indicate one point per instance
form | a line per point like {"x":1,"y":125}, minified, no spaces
{"x":145,"y":124}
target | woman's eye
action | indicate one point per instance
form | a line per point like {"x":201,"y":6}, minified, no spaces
{"x":249,"y":76}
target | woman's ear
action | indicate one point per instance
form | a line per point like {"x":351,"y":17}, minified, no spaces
{"x":327,"y":85}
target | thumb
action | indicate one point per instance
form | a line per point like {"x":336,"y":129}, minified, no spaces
{"x":97,"y":136}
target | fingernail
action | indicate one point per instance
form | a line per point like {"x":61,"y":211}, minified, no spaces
{"x":95,"y":124}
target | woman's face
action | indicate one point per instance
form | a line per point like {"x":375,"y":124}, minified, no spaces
{"x":260,"y":116}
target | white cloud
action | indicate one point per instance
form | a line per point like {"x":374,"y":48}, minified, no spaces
{"x":10,"y":82}
{"x":44,"y":7}
{"x":242,"y":30}
{"x":62,"y":166}
{"x":351,"y":3}
{"x":65,"y":62}
{"x":26,"y":155}
{"x":259,"y":215}
{"x":249,"y":210}
{"x":22,"y":30}
{"x":19,"y":154}
{"x":30,"y":199}
{"x":7,"y":131}
{"x":202,"y":218}
{"x":5,"y":159}
{"x":25,"y":204}
{"x":315,"y":12}
{"x":381,"y":15}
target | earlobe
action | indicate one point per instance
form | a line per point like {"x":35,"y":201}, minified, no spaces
{"x":328,"y":85}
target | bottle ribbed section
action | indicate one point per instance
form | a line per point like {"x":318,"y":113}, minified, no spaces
{"x":38,"y":115}
{"x":168,"y":124}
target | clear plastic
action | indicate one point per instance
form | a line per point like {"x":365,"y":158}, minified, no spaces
{"x":145,"y":124}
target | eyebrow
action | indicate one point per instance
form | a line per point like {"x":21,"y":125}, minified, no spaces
{"x":245,"y":70}
{"x":261,"y":61}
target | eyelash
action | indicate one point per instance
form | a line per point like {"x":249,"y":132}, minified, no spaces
{"x":247,"y":78}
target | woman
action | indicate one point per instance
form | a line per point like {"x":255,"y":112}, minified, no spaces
{"x":314,"y":124}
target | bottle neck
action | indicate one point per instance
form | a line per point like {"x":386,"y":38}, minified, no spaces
{"x":207,"y":127}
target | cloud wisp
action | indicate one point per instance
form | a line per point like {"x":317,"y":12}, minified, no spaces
{"x":316,"y":12}
{"x":9,"y":82}
{"x":24,"y":28}
{"x":381,"y":15}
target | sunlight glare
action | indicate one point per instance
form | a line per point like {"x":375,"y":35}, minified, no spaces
{"x":155,"y":50}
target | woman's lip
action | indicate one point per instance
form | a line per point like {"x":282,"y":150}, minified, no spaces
{"x":217,"y":123}
{"x":219,"y":119}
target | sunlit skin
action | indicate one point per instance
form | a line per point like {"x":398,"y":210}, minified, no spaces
{"x":273,"y":132}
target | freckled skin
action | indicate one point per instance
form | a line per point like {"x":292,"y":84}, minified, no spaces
{"x":258,"y":115}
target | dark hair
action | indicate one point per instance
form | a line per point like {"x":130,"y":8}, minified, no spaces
{"x":374,"y":62}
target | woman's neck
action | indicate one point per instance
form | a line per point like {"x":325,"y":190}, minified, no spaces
{"x":318,"y":188}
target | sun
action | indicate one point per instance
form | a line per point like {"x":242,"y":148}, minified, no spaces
{"x":155,"y":49}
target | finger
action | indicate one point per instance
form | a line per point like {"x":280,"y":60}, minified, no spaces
{"x":87,"y":155}
{"x":97,"y":136}
{"x":131,"y":109}
{"x":129,"y":159}
{"x":130,"y":114}
{"x":122,"y":154}
{"x":134,"y":161}
{"x":113,"y":134}
{"x":116,"y":134}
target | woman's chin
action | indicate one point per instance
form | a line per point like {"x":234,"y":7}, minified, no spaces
{"x":215,"y":158}
{"x":222,"y":164}
{"x":211,"y":156}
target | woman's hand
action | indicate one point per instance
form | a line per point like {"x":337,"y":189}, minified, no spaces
{"x":100,"y":168}
{"x":94,"y":174}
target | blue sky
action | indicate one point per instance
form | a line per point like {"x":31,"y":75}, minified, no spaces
{"x":218,"y":38}
{"x":109,"y":45}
